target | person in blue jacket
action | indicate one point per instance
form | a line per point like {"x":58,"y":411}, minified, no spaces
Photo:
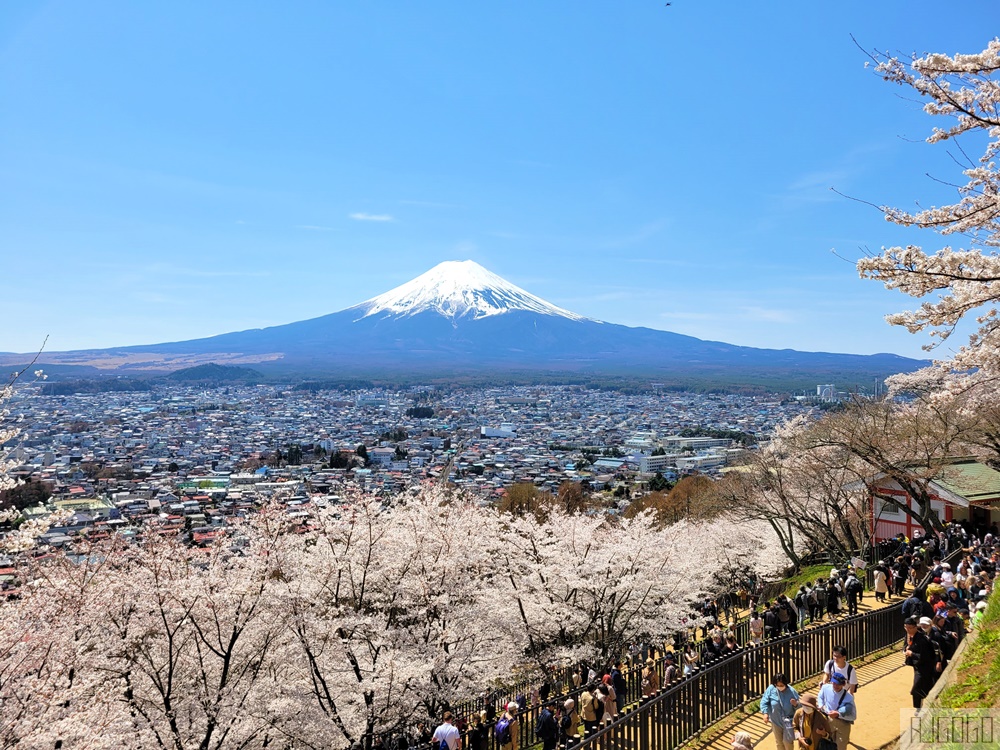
{"x":778,"y":705}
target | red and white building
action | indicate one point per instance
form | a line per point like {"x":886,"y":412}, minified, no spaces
{"x":963,"y":490}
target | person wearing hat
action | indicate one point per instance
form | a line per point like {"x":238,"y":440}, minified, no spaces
{"x":923,"y":655}
{"x":507,"y":729}
{"x":942,"y":637}
{"x":954,"y":625}
{"x":650,"y":679}
{"x":670,"y":672}
{"x":569,"y":723}
{"x":809,"y":723}
{"x":837,"y":702}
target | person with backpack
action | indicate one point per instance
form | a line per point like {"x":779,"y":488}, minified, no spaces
{"x":446,"y":736}
{"x":819,"y":591}
{"x":833,"y":592}
{"x":507,"y":730}
{"x":546,"y":728}
{"x":591,"y":708}
{"x":569,"y":723}
{"x":838,"y":704}
{"x":853,"y":588}
{"x":802,"y":604}
{"x":784,"y":613}
{"x":838,"y":663}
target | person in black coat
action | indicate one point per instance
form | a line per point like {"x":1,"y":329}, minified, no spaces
{"x":924,"y":656}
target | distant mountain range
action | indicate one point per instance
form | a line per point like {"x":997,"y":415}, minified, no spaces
{"x":461,"y":319}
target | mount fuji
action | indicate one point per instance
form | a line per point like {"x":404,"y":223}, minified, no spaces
{"x":458,"y":318}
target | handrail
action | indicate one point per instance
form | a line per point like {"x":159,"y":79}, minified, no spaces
{"x":684,"y":708}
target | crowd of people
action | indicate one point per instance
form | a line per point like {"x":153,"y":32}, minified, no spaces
{"x":943,"y":605}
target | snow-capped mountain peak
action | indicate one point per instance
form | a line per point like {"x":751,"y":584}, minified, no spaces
{"x":459,"y":289}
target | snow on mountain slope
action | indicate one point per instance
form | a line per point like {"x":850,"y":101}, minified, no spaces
{"x":458,"y":289}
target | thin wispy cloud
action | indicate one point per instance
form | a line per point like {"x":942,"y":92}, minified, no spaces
{"x":315,"y":228}
{"x":370,"y":217}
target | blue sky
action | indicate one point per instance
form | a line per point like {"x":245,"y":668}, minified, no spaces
{"x":177,"y":170}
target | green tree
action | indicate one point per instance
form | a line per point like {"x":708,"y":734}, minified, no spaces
{"x":21,"y":496}
{"x":659,"y":483}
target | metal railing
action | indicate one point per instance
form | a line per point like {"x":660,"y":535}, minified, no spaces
{"x":680,"y":710}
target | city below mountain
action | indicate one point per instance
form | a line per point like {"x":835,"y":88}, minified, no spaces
{"x":460,"y":320}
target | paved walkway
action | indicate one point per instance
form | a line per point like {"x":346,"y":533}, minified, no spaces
{"x":884,"y":688}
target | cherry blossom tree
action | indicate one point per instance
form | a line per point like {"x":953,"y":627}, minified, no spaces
{"x":394,"y":608}
{"x":585,"y":588}
{"x":377,"y":616}
{"x":159,"y":646}
{"x":954,"y":282}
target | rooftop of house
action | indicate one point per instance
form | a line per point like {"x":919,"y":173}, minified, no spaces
{"x":969,"y":478}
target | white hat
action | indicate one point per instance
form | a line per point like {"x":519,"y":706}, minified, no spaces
{"x":512,"y":707}
{"x":981,"y":605}
{"x":946,"y":565}
{"x":925,"y":621}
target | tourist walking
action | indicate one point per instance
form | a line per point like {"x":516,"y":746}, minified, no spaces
{"x":569,"y":723}
{"x":881,"y":582}
{"x":610,"y":700}
{"x":809,"y":723}
{"x":507,"y":729}
{"x":922,"y":654}
{"x":547,"y":728}
{"x":691,"y":659}
{"x":836,"y":701}
{"x":838,"y":663}
{"x":479,"y":733}
{"x":669,"y":668}
{"x":819,"y":592}
{"x":853,"y":589}
{"x":591,"y":708}
{"x":777,"y":705}
{"x":447,"y":736}
{"x":756,"y":629}
{"x":802,"y":605}
{"x":650,"y":679}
